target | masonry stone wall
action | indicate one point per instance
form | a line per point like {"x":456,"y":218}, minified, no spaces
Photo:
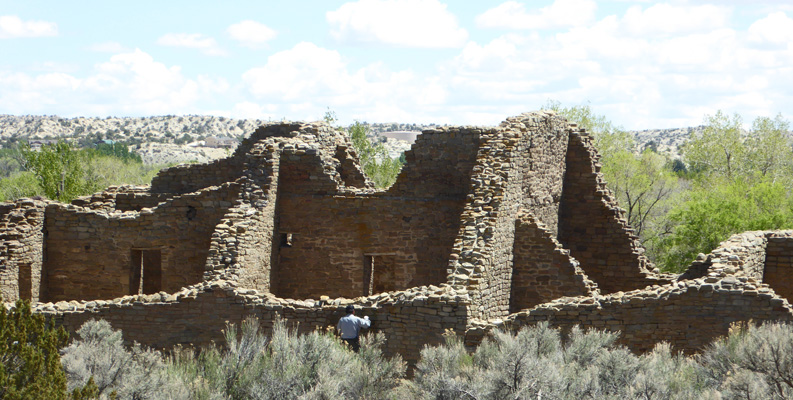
{"x":439,"y":164}
{"x":21,"y":249}
{"x":332,"y":238}
{"x":542,"y":269}
{"x":778,"y":266}
{"x":401,"y":237}
{"x":197,"y":315}
{"x":89,"y":253}
{"x":520,"y":164}
{"x":687,"y":314}
{"x":593,"y":228}
{"x":122,"y":198}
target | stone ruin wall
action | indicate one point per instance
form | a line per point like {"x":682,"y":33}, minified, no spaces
{"x":537,"y":162}
{"x":404,"y":234}
{"x":542,"y":269}
{"x":508,"y":159}
{"x":480,"y":220}
{"x":778,"y":268}
{"x":593,"y":227}
{"x":197,"y":315}
{"x":21,"y":249}
{"x":686,"y":314}
{"x":89,"y":252}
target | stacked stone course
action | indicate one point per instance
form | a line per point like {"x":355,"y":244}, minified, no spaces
{"x":485,"y":227}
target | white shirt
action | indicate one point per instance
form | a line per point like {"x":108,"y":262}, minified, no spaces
{"x":350,"y":326}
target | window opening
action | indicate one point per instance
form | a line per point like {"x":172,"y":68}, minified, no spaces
{"x":286,"y":239}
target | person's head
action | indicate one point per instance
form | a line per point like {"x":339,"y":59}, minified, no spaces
{"x":350,"y":309}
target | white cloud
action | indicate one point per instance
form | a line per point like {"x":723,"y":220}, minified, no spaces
{"x":644,"y":68}
{"x":667,"y":19}
{"x":129,"y":83}
{"x":302,"y":81}
{"x":775,"y":29}
{"x":513,"y":15}
{"x":207,"y":45}
{"x":251,"y":33}
{"x":11,"y":26}
{"x":406,"y":23}
{"x":107,"y":47}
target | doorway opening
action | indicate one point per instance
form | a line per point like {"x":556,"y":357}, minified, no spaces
{"x":378,"y":273}
{"x":146,"y":273}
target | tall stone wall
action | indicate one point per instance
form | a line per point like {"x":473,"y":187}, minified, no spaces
{"x":778,"y":266}
{"x":244,"y":241}
{"x":330,"y":236}
{"x":89,"y":253}
{"x":519,"y":164}
{"x":542,"y":269}
{"x":21,"y":249}
{"x":592,"y":226}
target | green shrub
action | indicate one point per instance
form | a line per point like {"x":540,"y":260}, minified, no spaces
{"x":30,"y":365}
{"x":537,"y":363}
{"x":119,"y":372}
{"x":752,"y":362}
{"x":287,"y":366}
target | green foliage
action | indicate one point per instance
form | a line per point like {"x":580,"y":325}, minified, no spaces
{"x":287,"y":366}
{"x":18,"y":185}
{"x":752,"y":362}
{"x":59,"y":169}
{"x":30,"y":365}
{"x":719,"y":149}
{"x":713,"y":213}
{"x":375,"y":162}
{"x":537,"y":363}
{"x":98,"y":355}
{"x":117,"y":150}
{"x":63,"y":173}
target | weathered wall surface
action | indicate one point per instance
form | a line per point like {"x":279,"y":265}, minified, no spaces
{"x":688,"y":315}
{"x":89,"y":253}
{"x":778,"y":265}
{"x":121,"y":198}
{"x":197,"y":315}
{"x":519,"y":164}
{"x":21,"y":249}
{"x":439,"y":164}
{"x":742,"y":254}
{"x":542,"y":269}
{"x":401,"y":237}
{"x":331,"y":238}
{"x":592,"y":226}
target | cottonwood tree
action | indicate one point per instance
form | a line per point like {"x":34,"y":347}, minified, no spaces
{"x":719,"y":148}
{"x":59,"y":169}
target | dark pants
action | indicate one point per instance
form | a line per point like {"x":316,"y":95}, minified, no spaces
{"x":354,"y":344}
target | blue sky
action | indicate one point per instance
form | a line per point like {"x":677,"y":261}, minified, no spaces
{"x":642,"y":64}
